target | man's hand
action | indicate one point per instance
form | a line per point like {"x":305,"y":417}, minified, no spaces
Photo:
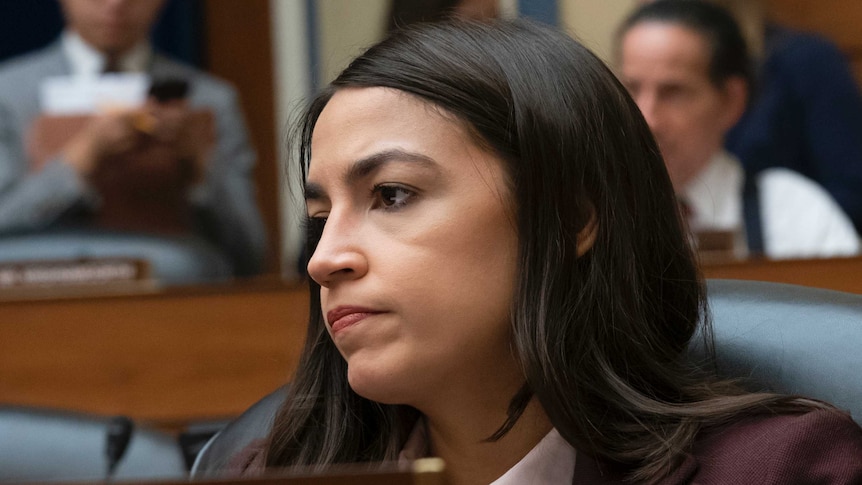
{"x":111,"y":133}
{"x":171,"y":127}
{"x":118,"y":131}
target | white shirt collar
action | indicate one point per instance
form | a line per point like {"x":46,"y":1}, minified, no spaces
{"x":550,"y":462}
{"x":714,"y":195}
{"x":88,"y":61}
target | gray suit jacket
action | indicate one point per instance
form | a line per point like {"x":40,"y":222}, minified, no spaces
{"x":226,"y":211}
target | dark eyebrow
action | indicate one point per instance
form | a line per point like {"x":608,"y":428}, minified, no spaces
{"x":314,"y":192}
{"x":366,"y":166}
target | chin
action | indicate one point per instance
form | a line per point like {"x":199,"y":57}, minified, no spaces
{"x":376,"y":385}
{"x":111,"y":42}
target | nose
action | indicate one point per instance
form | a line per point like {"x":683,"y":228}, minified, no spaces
{"x":339,"y":256}
{"x":650,"y":112}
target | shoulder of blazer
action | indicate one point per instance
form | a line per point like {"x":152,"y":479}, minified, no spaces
{"x":21,"y":72}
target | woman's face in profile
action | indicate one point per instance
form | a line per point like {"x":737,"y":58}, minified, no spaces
{"x":417,"y":258}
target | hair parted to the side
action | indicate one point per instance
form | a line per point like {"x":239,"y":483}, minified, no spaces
{"x":603,"y":337}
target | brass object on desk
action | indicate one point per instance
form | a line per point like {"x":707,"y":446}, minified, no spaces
{"x":51,"y":279}
{"x":716,"y":246}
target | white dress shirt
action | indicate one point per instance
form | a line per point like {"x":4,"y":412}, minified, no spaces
{"x":85,"y":60}
{"x":800,"y":219}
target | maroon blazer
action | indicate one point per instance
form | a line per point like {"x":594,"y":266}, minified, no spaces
{"x":821,"y":447}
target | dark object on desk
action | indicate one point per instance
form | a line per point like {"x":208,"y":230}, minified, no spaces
{"x":120,"y":430}
{"x":169,"y":89}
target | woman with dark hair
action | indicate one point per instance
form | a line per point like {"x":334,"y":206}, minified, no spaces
{"x":499,"y":278}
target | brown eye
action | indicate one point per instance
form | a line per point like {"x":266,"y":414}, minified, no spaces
{"x":393,"y":197}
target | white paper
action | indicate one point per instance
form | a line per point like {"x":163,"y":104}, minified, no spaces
{"x":78,"y":95}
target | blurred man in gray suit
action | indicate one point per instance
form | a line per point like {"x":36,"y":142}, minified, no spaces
{"x":112,"y":36}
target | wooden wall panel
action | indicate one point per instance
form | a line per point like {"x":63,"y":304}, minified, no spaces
{"x":164,"y":359}
{"x":841,"y":274}
{"x":239,"y":49}
{"x":200,"y":354}
{"x":839,"y":20}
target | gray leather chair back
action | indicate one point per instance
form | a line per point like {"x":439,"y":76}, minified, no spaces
{"x":47,"y":445}
{"x":790,"y":339}
{"x":253,"y":424}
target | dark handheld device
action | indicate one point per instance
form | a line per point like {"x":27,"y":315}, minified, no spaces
{"x":168,"y":89}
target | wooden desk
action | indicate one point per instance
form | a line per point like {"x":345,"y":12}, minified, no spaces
{"x":209,"y":353}
{"x":842,"y":274}
{"x":163,"y":358}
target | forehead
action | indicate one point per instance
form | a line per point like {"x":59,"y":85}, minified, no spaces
{"x":358,"y":122}
{"x":657,"y":48}
{"x":353,"y":106}
{"x":366,"y":131}
{"x":94,"y":7}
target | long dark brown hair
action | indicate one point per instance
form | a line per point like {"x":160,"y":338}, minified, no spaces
{"x":603,"y":337}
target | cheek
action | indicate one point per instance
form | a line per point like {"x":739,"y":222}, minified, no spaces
{"x":689,"y":127}
{"x":707,"y":113}
{"x":472,"y":270}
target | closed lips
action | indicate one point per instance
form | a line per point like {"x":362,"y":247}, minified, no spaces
{"x":343,"y":317}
